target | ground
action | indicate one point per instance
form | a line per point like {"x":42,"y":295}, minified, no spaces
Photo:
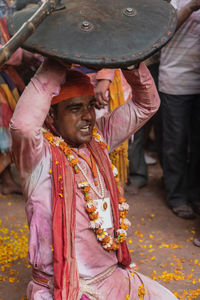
{"x":161,"y":244}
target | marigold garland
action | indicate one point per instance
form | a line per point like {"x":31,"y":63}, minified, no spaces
{"x":108,"y":242}
{"x":141,"y":292}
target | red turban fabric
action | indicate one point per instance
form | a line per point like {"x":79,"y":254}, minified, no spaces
{"x":77,"y":84}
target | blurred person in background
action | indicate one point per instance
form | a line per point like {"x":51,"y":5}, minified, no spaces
{"x":13,"y":76}
{"x":11,"y":85}
{"x":139,"y":157}
{"x":179,"y":86}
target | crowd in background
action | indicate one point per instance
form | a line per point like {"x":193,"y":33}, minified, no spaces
{"x":176,"y":125}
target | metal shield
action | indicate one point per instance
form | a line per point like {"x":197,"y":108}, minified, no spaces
{"x":101,"y":34}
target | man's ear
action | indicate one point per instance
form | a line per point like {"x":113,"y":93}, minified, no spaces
{"x":52,"y":114}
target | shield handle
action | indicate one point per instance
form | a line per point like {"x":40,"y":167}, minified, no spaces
{"x":28,"y":28}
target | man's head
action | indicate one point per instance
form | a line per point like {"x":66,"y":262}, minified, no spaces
{"x":74,"y":109}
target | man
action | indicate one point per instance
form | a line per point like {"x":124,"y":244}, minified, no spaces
{"x":179,"y":77}
{"x":76,"y":247}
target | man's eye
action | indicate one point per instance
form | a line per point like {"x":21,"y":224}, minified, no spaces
{"x":92,"y":105}
{"x":74,"y":109}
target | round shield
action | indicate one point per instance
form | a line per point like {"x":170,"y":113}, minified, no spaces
{"x":101,"y":34}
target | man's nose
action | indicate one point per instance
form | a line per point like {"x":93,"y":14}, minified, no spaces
{"x":86,"y":115}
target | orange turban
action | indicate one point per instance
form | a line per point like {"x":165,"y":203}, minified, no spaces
{"x":77,"y":85}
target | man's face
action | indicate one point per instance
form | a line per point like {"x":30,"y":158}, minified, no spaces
{"x":75,"y":119}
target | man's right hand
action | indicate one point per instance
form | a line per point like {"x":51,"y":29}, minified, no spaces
{"x":185,"y":12}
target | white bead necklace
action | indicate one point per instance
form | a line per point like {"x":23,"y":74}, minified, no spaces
{"x":100,"y":195}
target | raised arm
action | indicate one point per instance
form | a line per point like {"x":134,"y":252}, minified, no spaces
{"x":30,"y":113}
{"x":185,"y":12}
{"x":125,"y":120}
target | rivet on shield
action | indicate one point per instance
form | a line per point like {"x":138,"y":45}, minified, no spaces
{"x":130,"y":12}
{"x":86,"y":26}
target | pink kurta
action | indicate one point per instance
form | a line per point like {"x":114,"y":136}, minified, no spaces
{"x":33,"y":159}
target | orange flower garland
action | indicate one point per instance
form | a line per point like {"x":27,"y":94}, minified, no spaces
{"x":108,"y":242}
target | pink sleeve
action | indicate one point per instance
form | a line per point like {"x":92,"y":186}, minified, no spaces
{"x":16,"y":58}
{"x":125,"y":120}
{"x":30,"y":113}
{"x":105,"y":74}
